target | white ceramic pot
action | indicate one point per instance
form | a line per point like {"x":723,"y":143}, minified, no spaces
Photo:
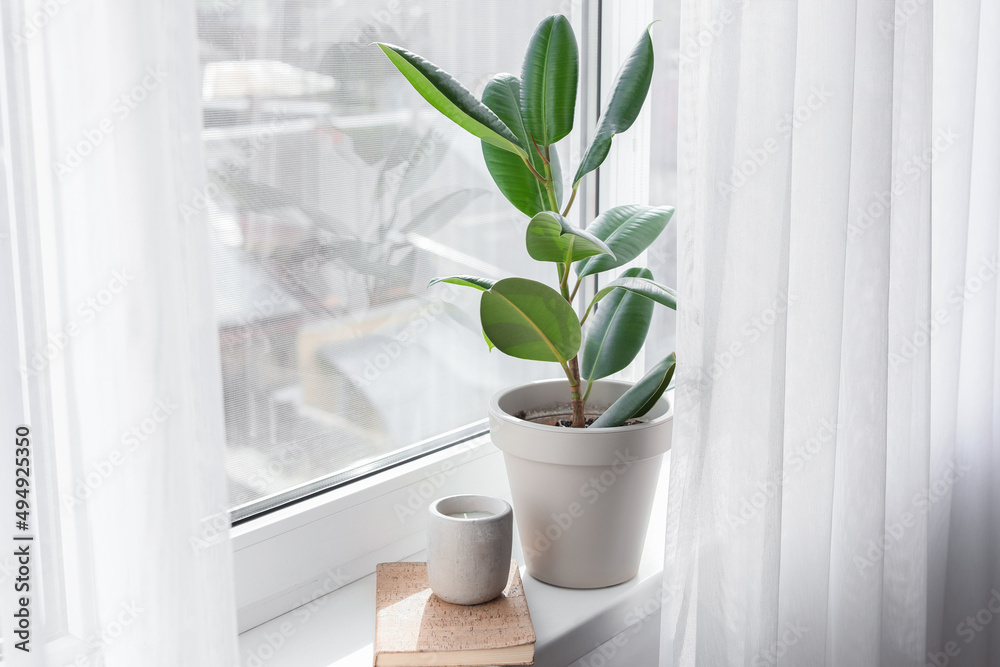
{"x":582,"y":497}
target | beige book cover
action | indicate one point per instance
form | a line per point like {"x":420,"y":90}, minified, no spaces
{"x":413,"y":627}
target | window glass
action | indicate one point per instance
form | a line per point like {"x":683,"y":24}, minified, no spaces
{"x":335,"y":194}
{"x":662,"y":255}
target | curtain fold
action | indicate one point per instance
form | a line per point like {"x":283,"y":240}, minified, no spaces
{"x":119,"y":347}
{"x":834,"y":471}
{"x":965,"y":575}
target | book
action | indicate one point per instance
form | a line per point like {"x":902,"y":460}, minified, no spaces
{"x":415,"y":627}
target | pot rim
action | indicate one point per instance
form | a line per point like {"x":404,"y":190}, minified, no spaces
{"x":500,"y":508}
{"x":496,"y":410}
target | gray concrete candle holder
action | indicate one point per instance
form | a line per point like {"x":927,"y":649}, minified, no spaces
{"x":468,"y":548}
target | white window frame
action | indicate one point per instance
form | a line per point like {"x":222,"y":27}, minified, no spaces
{"x":293,"y":555}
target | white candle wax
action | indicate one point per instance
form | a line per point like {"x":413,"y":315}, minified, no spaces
{"x":469,"y":515}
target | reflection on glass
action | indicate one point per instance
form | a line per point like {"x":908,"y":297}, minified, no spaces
{"x":334,"y":195}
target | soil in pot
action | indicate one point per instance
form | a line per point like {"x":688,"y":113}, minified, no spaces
{"x":562,"y":416}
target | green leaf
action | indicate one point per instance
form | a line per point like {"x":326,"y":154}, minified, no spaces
{"x":516,"y":182}
{"x":628,"y":93}
{"x":556,"y":174}
{"x":522,"y":188}
{"x":529,"y":320}
{"x":451,"y":98}
{"x":549,"y":74}
{"x":466,"y":281}
{"x":617,"y":331}
{"x":640,"y":397}
{"x":551,"y":238}
{"x":489,"y":343}
{"x":441,"y":212}
{"x":641,"y":286}
{"x":628,"y":230}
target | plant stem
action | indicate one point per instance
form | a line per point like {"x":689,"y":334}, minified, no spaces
{"x":527,"y":163}
{"x":572,"y":371}
{"x":573,"y":368}
{"x":564,"y":281}
{"x":590,"y":307}
{"x":576,"y":288}
{"x":550,"y":186}
{"x":563,"y":269}
{"x":569,"y":205}
{"x":590,"y":385}
{"x":545,"y":159}
{"x":579,"y":416}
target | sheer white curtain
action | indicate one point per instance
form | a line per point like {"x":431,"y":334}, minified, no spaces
{"x":118,"y":372}
{"x":836,"y":461}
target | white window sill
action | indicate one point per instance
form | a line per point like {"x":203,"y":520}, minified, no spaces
{"x":610,"y":626}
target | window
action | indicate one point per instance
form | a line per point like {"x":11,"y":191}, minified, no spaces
{"x":335,"y":194}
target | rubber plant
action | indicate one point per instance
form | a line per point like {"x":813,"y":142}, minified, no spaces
{"x":519,"y":121}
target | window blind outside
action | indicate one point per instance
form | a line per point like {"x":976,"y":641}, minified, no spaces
{"x":335,"y":193}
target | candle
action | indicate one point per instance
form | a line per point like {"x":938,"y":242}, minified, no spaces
{"x":468,"y":559}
